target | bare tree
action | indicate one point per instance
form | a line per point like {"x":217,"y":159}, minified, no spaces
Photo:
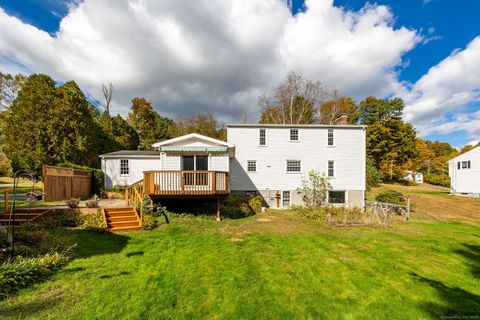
{"x":295,"y":101}
{"x":107,"y":96}
{"x":9,"y":87}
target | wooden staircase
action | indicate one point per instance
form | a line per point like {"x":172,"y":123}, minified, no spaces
{"x":22,"y":215}
{"x":122,"y":219}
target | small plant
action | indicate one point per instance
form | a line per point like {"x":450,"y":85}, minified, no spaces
{"x":391,"y":196}
{"x":93,"y":222}
{"x":92,"y":203}
{"x":73,"y":203}
{"x":314,"y":189}
{"x":59,"y":218}
{"x":256,"y":203}
{"x":149,"y":222}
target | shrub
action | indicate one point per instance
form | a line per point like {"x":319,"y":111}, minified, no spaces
{"x":391,"y":196}
{"x":149,"y":222}
{"x":92,"y":203}
{"x":342,"y":216}
{"x":256,"y":203}
{"x":236,"y":207}
{"x":373,"y":176}
{"x":97,"y":175}
{"x":118,"y":188}
{"x":59,"y":218}
{"x":34,"y":242}
{"x":23,"y":272}
{"x":93,"y":222}
{"x":73,"y":203}
{"x":438,"y":179}
{"x":314,"y":189}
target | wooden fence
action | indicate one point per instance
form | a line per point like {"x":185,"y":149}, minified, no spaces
{"x":65,"y":183}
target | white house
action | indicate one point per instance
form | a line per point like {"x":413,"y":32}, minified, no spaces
{"x":271,"y":160}
{"x":417,"y":177}
{"x":266,"y":160}
{"x":464,"y":172}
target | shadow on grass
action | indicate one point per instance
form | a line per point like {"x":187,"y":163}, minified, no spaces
{"x":457,"y":302}
{"x":31,"y":307}
{"x":108,"y":276}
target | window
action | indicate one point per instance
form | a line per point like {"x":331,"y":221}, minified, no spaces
{"x":330,"y":140}
{"x":286,"y":198}
{"x":201,"y":163}
{"x":263,"y":137}
{"x":294,"y":166}
{"x":293,"y":134}
{"x":191,"y":163}
{"x":331,"y":168}
{"x":466,"y":164}
{"x":250,"y":193}
{"x":458,"y":165}
{"x":124,"y":168}
{"x":251,"y":165}
{"x":336,"y":197}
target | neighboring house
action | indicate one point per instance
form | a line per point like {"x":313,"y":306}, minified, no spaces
{"x":266,"y":160}
{"x":417,"y":177}
{"x":464,"y":173}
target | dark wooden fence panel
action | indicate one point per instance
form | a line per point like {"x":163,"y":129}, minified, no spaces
{"x":65,"y":183}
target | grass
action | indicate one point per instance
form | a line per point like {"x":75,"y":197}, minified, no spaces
{"x":270,"y":266}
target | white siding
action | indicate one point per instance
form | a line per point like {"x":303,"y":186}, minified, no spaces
{"x":171,"y":162}
{"x":219,"y":162}
{"x":348,"y":153}
{"x":111,"y":168}
{"x":466,"y":180}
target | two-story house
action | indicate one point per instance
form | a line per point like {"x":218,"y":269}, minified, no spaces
{"x":464,"y":172}
{"x":266,"y":160}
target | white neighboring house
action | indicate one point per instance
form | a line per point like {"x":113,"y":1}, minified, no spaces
{"x":266,"y":160}
{"x":464,"y":173}
{"x":271,"y":160}
{"x":413,"y":176}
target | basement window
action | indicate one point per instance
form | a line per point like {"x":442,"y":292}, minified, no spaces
{"x":336,"y":197}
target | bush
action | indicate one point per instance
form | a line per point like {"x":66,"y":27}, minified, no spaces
{"x":97,"y":176}
{"x":391,"y":196}
{"x":342,"y":216}
{"x":236,"y":207}
{"x":93,"y":222}
{"x":59,"y":218}
{"x":118,"y":188}
{"x":22,"y":272}
{"x":73,"y":203}
{"x":438,"y":179}
{"x":373,"y":176}
{"x":149,"y":222}
{"x":92,"y":203}
{"x":256,"y":203}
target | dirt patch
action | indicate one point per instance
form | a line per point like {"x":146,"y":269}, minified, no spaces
{"x":235,"y":239}
{"x":264,"y":220}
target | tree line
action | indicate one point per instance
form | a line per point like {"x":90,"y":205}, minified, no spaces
{"x":42,"y":122}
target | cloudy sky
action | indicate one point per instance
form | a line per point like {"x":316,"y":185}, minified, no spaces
{"x":220,"y":55}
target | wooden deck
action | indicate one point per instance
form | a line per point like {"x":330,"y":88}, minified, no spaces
{"x":186,"y":183}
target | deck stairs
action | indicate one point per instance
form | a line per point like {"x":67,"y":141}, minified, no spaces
{"x":122,"y":219}
{"x":22,"y":215}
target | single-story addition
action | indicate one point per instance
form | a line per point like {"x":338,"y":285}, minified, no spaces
{"x":265,"y":160}
{"x":464,"y":173}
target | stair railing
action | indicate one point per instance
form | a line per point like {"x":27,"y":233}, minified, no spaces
{"x":134,"y":195}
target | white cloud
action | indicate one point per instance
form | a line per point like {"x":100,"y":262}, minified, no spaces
{"x":206,"y":55}
{"x":446,"y":89}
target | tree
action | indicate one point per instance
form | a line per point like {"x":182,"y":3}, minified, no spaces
{"x":107,"y":91}
{"x":124,"y":134}
{"x":390,"y":141}
{"x":150,"y":126}
{"x":9,"y":87}
{"x":295,"y":101}
{"x":314,"y":189}
{"x":203,"y":123}
{"x":48,"y":125}
{"x":331,"y":109}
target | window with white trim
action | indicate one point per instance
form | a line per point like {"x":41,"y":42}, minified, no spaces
{"x":263,"y":137}
{"x":293,"y":134}
{"x":331,"y":168}
{"x":294,"y":166}
{"x":286,"y":199}
{"x":330,"y":135}
{"x":252,"y":166}
{"x":336,"y":197}
{"x":124,"y":167}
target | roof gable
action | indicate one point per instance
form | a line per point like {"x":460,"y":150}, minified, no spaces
{"x":193,"y":140}
{"x":475,"y":152}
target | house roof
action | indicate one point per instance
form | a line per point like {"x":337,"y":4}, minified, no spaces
{"x":124,"y":153}
{"x":466,"y":154}
{"x":260,"y":125}
{"x":192,"y":136}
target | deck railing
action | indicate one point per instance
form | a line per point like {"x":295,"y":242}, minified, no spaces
{"x":186,"y":183}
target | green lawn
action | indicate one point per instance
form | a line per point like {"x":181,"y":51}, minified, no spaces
{"x":270,"y":266}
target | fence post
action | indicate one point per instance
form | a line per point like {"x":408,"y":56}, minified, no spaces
{"x":408,"y":209}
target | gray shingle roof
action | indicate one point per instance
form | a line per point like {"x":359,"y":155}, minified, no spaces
{"x":131,"y":153}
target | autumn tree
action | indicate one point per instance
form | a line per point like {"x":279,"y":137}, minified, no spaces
{"x":150,"y":126}
{"x":390,"y":141}
{"x":294,"y":101}
{"x":335,"y":106}
{"x":203,"y":123}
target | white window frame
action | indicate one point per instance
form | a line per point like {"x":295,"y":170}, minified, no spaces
{"x":333,"y":168}
{"x":284,"y":199}
{"x":300,"y":166}
{"x":298,"y":135}
{"x":260,"y":130}
{"x":466,"y":164}
{"x":248,"y":165}
{"x":122,"y":162}
{"x":333,"y":137}
{"x":337,"y":204}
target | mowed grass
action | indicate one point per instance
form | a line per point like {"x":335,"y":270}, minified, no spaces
{"x":270,"y":266}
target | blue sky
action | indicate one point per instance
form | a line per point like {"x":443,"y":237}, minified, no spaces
{"x":444,"y":25}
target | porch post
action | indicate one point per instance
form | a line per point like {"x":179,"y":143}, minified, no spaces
{"x":218,"y":209}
